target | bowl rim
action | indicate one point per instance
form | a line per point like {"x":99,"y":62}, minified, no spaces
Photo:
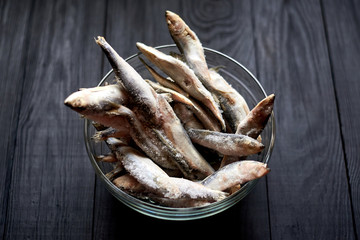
{"x":188,"y":213}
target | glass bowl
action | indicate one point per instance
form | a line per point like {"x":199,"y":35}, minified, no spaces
{"x":244,"y":82}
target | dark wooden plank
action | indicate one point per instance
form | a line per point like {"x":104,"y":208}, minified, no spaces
{"x":343,"y":34}
{"x":52,"y":185}
{"x":308,"y":190}
{"x":226,"y":26}
{"x":214,"y":22}
{"x":14,"y":18}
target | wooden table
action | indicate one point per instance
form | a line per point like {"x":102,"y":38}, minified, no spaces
{"x":306,"y":52}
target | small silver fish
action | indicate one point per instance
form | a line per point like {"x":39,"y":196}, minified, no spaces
{"x":187,"y":117}
{"x":166,"y":82}
{"x":235,"y":173}
{"x":174,"y":133}
{"x":101,"y":109}
{"x":150,"y":175}
{"x":226,"y":143}
{"x":136,"y":87}
{"x":232,"y":103}
{"x":188,"y":44}
{"x":95,"y":101}
{"x":184,"y":77}
{"x":253,"y":124}
{"x":207,"y":120}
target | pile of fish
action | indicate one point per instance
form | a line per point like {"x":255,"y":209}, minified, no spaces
{"x":162,"y":134}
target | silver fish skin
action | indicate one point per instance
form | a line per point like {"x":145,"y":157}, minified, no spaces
{"x":166,"y":82}
{"x":207,"y":120}
{"x":226,"y":143}
{"x":130,"y":185}
{"x":190,"y":45}
{"x":134,"y":84}
{"x":231,"y":102}
{"x":101,"y":109}
{"x":146,"y":172}
{"x":97,"y":98}
{"x":152,"y":108}
{"x":173,"y":131}
{"x":184,"y":77}
{"x":236,"y":173}
{"x":119,"y":116}
{"x":96,"y":102}
{"x":255,"y":122}
{"x":197,"y":191}
{"x":187,"y":117}
{"x":146,"y":139}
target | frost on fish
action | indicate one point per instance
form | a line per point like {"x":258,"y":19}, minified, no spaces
{"x":145,"y":171}
{"x":206,"y":119}
{"x":236,"y":173}
{"x":143,"y":123}
{"x":187,"y":117}
{"x":134,"y":84}
{"x":175,"y":133}
{"x":145,"y":138}
{"x":166,"y":82}
{"x":254,"y":123}
{"x":97,"y":99}
{"x":232,"y":103}
{"x":184,"y":77}
{"x":158,"y":182}
{"x":194,"y":190}
{"x":99,"y":103}
{"x":225,"y":143}
{"x":190,"y":45}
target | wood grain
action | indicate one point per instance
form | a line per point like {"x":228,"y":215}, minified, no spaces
{"x":308,"y":195}
{"x":52,"y":185}
{"x":14,"y":23}
{"x":343,"y":33}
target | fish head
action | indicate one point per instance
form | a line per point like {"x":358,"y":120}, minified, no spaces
{"x":175,"y":24}
{"x":149,"y":52}
{"x":95,"y":101}
{"x":259,"y":169}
